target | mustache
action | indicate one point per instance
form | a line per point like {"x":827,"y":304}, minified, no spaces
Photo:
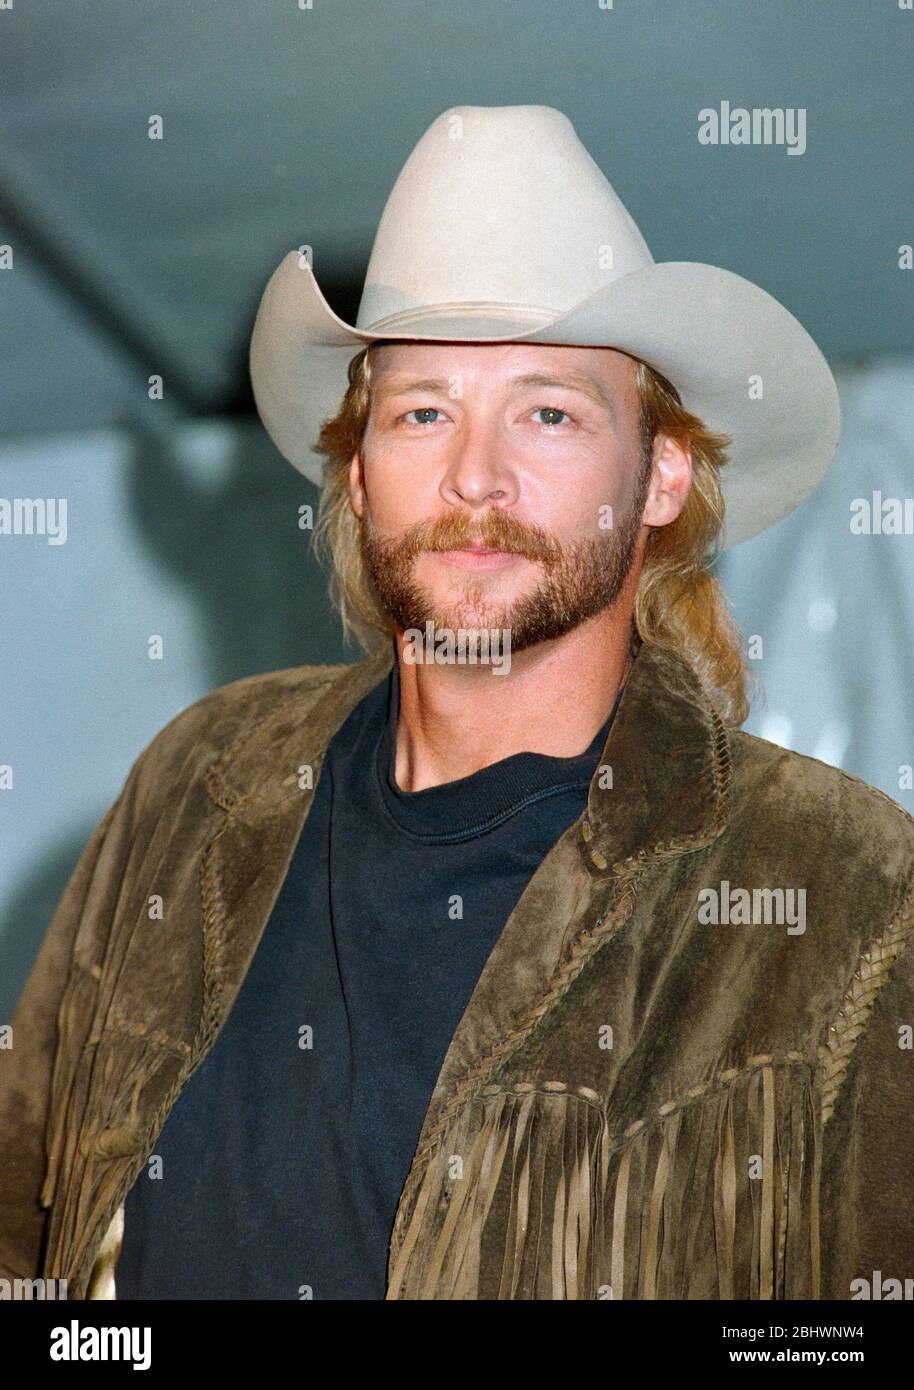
{"x":496,"y":531}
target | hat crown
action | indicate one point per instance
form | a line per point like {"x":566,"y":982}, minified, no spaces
{"x":498,"y":207}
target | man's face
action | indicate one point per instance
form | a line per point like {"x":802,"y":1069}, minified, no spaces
{"x":518,"y":448}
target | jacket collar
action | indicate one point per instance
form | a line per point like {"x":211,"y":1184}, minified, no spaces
{"x":668,"y":754}
{"x":663,"y":777}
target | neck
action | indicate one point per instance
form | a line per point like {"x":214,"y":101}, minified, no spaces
{"x":456,"y":719}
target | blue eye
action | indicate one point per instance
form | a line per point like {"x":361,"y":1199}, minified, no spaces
{"x":551,"y":410}
{"x":423,"y":410}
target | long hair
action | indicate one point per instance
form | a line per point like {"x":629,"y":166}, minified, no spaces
{"x":679,"y":604}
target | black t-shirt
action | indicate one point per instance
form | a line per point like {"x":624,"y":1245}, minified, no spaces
{"x":282,"y":1164}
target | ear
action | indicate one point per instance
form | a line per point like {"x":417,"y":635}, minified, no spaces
{"x":356,"y":490}
{"x":671,"y":479}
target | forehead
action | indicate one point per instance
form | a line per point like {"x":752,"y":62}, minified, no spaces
{"x":393,"y":363}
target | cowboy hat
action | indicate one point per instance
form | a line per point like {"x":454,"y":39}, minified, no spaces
{"x":501,"y":228}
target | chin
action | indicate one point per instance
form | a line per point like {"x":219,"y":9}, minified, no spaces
{"x":489,"y":609}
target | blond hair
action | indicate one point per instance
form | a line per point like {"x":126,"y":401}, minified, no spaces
{"x":679,"y":604}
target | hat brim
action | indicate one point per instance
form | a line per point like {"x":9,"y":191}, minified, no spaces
{"x":739,"y":360}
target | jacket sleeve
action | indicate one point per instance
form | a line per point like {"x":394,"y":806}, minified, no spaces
{"x":867,"y":1191}
{"x":26,"y":1067}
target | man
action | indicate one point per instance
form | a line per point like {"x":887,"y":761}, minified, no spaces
{"x":500,"y":964}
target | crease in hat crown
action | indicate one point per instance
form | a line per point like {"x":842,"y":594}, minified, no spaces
{"x":504,"y":210}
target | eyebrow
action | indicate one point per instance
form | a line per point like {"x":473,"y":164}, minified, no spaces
{"x":570,"y":381}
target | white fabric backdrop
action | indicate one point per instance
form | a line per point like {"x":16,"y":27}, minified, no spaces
{"x":836,"y":610}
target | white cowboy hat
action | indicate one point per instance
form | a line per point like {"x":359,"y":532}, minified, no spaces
{"x":501,"y":228}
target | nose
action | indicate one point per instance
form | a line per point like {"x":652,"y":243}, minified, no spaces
{"x":478,"y":471}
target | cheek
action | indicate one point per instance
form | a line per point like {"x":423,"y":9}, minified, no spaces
{"x":578,"y":506}
{"x":394,"y":498}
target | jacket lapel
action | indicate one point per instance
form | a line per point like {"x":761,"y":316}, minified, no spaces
{"x":257,"y":784}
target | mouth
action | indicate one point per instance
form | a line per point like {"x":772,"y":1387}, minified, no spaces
{"x":478,"y":557}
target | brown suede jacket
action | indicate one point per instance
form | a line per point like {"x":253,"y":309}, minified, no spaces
{"x":640,"y":1101}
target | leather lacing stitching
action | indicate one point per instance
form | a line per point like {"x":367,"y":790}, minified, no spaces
{"x":137,"y":1030}
{"x":717,"y":1083}
{"x":855,"y":1009}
